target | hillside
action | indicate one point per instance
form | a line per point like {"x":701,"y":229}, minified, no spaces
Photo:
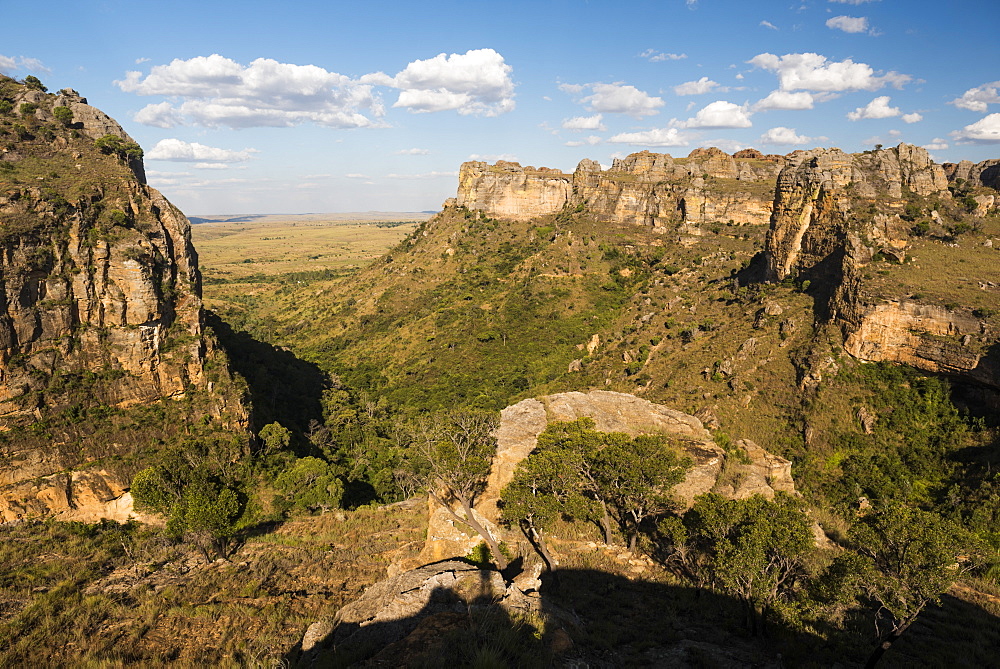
{"x":810,"y":339}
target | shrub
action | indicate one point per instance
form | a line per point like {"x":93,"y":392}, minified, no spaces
{"x":27,"y":108}
{"x":63,"y":114}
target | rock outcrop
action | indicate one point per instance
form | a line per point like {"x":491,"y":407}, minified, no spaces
{"x":644,"y":188}
{"x":833,"y":213}
{"x":713,"y":470}
{"x":826,"y":200}
{"x":985,"y":173}
{"x":99,"y":289}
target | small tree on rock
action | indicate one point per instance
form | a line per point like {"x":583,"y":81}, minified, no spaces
{"x":450,"y":458}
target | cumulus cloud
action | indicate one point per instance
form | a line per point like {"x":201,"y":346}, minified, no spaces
{"x":477,"y":82}
{"x":412,"y":152}
{"x":703,"y":85}
{"x":15,"y":63}
{"x":654,"y":56}
{"x":786,"y":100}
{"x":849,"y":24}
{"x":976,"y":99}
{"x":590,"y":140}
{"x":654,"y":137}
{"x":718,"y":114}
{"x":937,"y":144}
{"x":180,"y":151}
{"x":785,"y":136}
{"x":984,"y":131}
{"x":813,"y":72}
{"x":616,"y":98}
{"x":877,"y":108}
{"x":912,"y":118}
{"x":584,"y":123}
{"x":216,"y":91}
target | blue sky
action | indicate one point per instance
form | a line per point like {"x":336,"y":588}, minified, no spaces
{"x":263,"y":107}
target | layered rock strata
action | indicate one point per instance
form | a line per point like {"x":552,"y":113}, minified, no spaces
{"x":99,"y":291}
{"x":832,"y":213}
{"x":644,"y":188}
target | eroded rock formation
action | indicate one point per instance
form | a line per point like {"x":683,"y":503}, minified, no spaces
{"x":99,"y":290}
{"x":644,"y":188}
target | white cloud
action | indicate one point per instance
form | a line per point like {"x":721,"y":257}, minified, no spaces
{"x":355,"y":175}
{"x":849,"y":24}
{"x":584,"y":123}
{"x":937,"y":144}
{"x":493,"y":157}
{"x":703,"y":85}
{"x":212,"y":166}
{"x":718,"y":114}
{"x":984,"y":131}
{"x":785,"y":136}
{"x":853,"y":2}
{"x":425,"y":175}
{"x":616,"y":98}
{"x":412,"y":152}
{"x":140,"y":61}
{"x":216,"y":91}
{"x":654,"y":137}
{"x":786,"y":100}
{"x":813,"y":72}
{"x":768,"y":24}
{"x":654,"y":56}
{"x":11,"y":64}
{"x":181,"y":151}
{"x":912,"y":118}
{"x":476,"y":82}
{"x":877,"y":108}
{"x":976,"y":99}
{"x":590,"y":140}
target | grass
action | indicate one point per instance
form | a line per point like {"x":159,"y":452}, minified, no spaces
{"x":74,"y":595}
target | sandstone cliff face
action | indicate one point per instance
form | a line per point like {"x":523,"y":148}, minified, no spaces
{"x":521,"y":424}
{"x":824,"y":196}
{"x":88,"y":289}
{"x":833,"y":212}
{"x":924,"y":336}
{"x":98,"y":279}
{"x":644,"y":188}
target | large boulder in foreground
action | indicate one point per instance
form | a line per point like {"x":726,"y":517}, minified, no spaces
{"x":754,"y":471}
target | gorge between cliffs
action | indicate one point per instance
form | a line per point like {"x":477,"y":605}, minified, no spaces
{"x":722,"y":409}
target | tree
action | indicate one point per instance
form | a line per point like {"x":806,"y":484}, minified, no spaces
{"x":197,"y":505}
{"x":909,"y":558}
{"x":450,"y":458}
{"x":635,"y":477}
{"x":544,"y":487}
{"x":753,"y":549}
{"x":311,"y":484}
{"x":31,"y":81}
{"x":63,"y":114}
{"x":274,"y":437}
{"x":113,"y":144}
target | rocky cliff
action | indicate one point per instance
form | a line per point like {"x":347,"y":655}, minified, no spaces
{"x":100,"y":295}
{"x":654,"y":189}
{"x":836,"y":214}
{"x":827,"y":199}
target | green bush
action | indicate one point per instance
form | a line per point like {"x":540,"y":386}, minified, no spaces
{"x":63,"y":114}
